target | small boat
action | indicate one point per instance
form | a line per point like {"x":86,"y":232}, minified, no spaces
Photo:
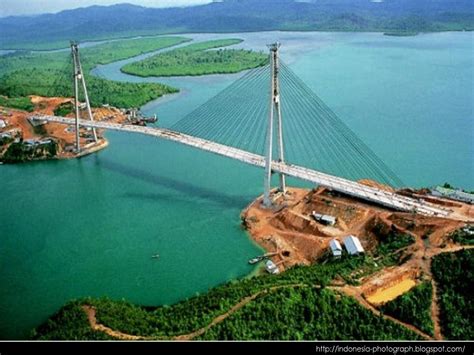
{"x":156,"y":256}
{"x":254,"y":261}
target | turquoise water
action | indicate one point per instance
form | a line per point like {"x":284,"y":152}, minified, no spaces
{"x":89,"y":227}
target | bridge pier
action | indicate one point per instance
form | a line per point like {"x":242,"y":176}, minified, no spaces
{"x":79,"y":75}
{"x":275,"y":110}
{"x":76,"y":100}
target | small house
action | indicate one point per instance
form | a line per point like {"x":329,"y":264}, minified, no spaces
{"x":3,"y":124}
{"x":271,"y":267}
{"x":45,"y":141}
{"x":324,"y":218}
{"x":336,"y":248}
{"x":353,"y":245}
{"x":30,"y":142}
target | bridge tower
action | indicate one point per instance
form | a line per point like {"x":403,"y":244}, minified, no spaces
{"x":79,"y":76}
{"x":275,"y":111}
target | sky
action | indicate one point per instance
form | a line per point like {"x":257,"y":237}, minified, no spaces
{"x":31,"y":7}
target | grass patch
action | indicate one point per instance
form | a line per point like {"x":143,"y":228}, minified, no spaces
{"x":20,"y":103}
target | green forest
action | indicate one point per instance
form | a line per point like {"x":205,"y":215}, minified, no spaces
{"x":297,"y":304}
{"x":454,"y":276}
{"x":20,"y":152}
{"x":198,"y":59}
{"x":44,"y":82}
{"x":463,"y":236}
{"x":21,"y":103}
{"x":413,"y":307}
{"x":76,"y":326}
{"x":313,"y":306}
{"x":306,"y":313}
{"x":49,"y":74}
{"x":394,"y":241}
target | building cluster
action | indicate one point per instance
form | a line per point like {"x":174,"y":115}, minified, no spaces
{"x":33,"y":143}
{"x":9,"y":133}
{"x":351,"y":243}
{"x":453,"y":194}
{"x":13,"y":133}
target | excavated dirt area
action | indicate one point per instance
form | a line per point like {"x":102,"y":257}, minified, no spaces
{"x":17,"y":120}
{"x":289,"y":230}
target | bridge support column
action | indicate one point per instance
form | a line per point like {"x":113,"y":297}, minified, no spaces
{"x":275,"y":109}
{"x":79,"y":75}
{"x":86,"y":95}
{"x":267,"y":202}
{"x":76,"y":97}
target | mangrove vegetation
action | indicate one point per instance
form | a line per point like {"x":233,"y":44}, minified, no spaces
{"x":198,"y":59}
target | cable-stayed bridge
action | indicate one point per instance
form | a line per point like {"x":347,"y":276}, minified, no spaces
{"x":269,"y":118}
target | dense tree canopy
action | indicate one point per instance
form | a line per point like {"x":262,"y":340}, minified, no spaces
{"x":198,"y":59}
{"x":454,"y":275}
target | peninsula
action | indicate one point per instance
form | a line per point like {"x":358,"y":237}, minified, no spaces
{"x":397,"y":287}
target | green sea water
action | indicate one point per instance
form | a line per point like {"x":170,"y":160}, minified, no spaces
{"x":89,"y":227}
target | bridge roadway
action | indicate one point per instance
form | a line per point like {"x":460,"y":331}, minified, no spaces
{"x":374,"y":195}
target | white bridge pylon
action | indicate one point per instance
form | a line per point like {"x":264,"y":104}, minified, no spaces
{"x":348,"y":187}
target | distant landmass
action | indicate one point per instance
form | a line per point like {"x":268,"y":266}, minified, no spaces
{"x":125,"y":20}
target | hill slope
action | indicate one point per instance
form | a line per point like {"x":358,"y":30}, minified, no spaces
{"x":98,"y":22}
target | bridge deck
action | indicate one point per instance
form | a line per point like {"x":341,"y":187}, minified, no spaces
{"x":335,"y":183}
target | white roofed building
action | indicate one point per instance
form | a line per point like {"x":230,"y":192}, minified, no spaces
{"x":271,"y":267}
{"x":324,"y":218}
{"x":353,"y":245}
{"x":336,"y":248}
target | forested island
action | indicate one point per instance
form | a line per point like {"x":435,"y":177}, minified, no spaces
{"x":198,"y":59}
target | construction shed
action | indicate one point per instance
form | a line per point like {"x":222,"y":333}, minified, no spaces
{"x":336,"y":248}
{"x":324,"y":218}
{"x":271,"y":267}
{"x":353,"y":245}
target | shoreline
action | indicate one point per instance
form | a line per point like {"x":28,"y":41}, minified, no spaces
{"x":111,"y":39}
{"x":289,"y":230}
{"x":100,"y":145}
{"x":23,"y":141}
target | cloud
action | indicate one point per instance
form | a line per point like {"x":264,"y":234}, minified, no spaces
{"x":30,"y":7}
